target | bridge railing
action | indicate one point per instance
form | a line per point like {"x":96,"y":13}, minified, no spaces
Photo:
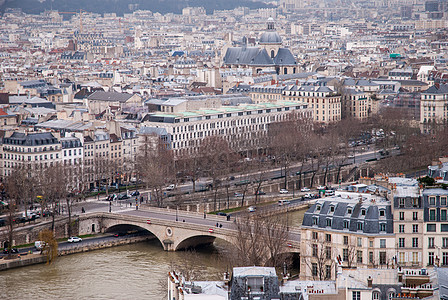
{"x":170,"y":211}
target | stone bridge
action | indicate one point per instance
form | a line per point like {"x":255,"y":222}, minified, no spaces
{"x":193,"y":230}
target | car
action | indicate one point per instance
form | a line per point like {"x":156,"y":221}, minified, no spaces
{"x":321,"y":187}
{"x":305,"y":189}
{"x":284,"y":191}
{"x":13,"y":250}
{"x":170,"y":187}
{"x":221,"y":214}
{"x":351,"y":157}
{"x":135,"y":193}
{"x":329,"y":193}
{"x":111,"y":197}
{"x":283,"y":202}
{"x":39,"y":245}
{"x":236,"y":194}
{"x":123,"y":196}
{"x":252,"y":208}
{"x":260,"y":192}
{"x":309,"y":196}
{"x":74,"y":239}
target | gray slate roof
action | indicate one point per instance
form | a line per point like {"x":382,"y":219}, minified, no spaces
{"x":109,"y":96}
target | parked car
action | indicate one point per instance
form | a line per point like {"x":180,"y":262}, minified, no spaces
{"x":74,"y":239}
{"x":221,"y":214}
{"x":321,"y":187}
{"x":170,"y":187}
{"x":13,"y":250}
{"x":284,"y":191}
{"x":305,"y":189}
{"x":123,"y":197}
{"x":309,"y":195}
{"x":260,"y":192}
{"x":135,"y":193}
{"x":236,"y":194}
{"x":252,"y":208}
{"x":329,"y":193}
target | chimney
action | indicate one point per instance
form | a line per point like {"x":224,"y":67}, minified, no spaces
{"x":369,"y":282}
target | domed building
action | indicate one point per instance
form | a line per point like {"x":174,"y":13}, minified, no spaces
{"x":270,"y":53}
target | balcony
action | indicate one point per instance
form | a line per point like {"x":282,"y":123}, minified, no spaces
{"x":414,"y":277}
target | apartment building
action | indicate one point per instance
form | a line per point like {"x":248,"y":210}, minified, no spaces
{"x":408,"y":224}
{"x":243,"y":126}
{"x":42,"y":149}
{"x":354,"y":229}
{"x":356,"y":104}
{"x":434,"y":104}
{"x":435,"y":243}
{"x":324,"y":102}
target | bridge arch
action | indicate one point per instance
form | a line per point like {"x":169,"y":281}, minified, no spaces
{"x":199,"y":239}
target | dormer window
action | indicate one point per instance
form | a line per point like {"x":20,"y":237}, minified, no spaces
{"x":363,"y":212}
{"x":331,"y":208}
{"x":349,"y":210}
{"x":318,"y":207}
{"x":359,"y":226}
{"x":382,"y":212}
{"x":346,"y":224}
{"x":315,"y":221}
{"x":328,"y":222}
{"x":383,"y":227}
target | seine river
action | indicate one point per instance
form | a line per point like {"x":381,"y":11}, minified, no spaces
{"x":136,"y":271}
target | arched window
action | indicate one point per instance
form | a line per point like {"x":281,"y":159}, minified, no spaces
{"x":285,"y":71}
{"x":376,"y":295}
{"x":272,"y":53}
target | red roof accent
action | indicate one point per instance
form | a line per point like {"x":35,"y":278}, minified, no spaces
{"x":2,"y":112}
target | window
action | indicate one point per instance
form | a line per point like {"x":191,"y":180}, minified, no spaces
{"x":315,"y":250}
{"x":382,"y":212}
{"x":401,"y":215}
{"x":363,"y":212}
{"x":401,"y":242}
{"x":401,"y":228}
{"x":371,"y":257}
{"x":383,"y":227}
{"x":345,"y":240}
{"x":431,"y":258}
{"x":359,"y":226}
{"x":415,"y":202}
{"x":415,"y":228}
{"x":443,"y":201}
{"x":382,"y":243}
{"x":432,"y":214}
{"x":431,"y":227}
{"x":444,"y":227}
{"x":349,"y":210}
{"x":445,"y":242}
{"x":375,"y":295}
{"x":443,"y":215}
{"x":382,"y":258}
{"x":315,"y":235}
{"x":327,"y":272}
{"x":356,"y":295}
{"x":415,"y":242}
{"x":345,"y":254}
{"x":329,"y":222}
{"x":359,"y":242}
{"x":445,"y":258}
{"x":314,"y":269}
{"x":315,"y":221}
{"x":328,"y":237}
{"x":401,"y":202}
{"x":331,"y":208}
{"x":415,"y":216}
{"x":430,"y":242}
{"x":346,"y":224}
{"x":359,"y":256}
{"x":328,"y":252}
{"x":432,"y":200}
{"x":318,"y":207}
{"x":255,"y":283}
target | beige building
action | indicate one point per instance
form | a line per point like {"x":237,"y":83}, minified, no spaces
{"x":434,"y":105}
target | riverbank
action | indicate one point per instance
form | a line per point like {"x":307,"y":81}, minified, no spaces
{"x":36,"y":258}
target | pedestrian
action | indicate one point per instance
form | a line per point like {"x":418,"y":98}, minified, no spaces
{"x":217,"y":224}
{"x":18,"y":256}
{"x":83,"y":210}
{"x":183,"y":220}
{"x":220,"y":225}
{"x":204,"y":215}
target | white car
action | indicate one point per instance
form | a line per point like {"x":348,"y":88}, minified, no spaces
{"x":74,"y":239}
{"x":284,"y":191}
{"x":170,"y":187}
{"x":321,"y":187}
{"x":305,"y":189}
{"x":251,"y":208}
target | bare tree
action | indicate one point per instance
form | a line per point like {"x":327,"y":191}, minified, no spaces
{"x":319,"y":258}
{"x":50,"y":245}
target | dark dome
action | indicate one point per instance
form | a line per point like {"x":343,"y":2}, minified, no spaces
{"x":270,"y":37}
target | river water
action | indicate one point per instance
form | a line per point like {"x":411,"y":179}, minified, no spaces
{"x":126,"y":272}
